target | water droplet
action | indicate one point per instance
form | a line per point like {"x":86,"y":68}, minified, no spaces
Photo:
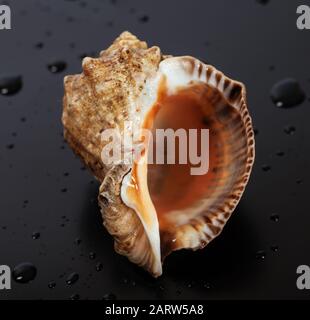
{"x":10,"y":85}
{"x":66,"y":174}
{"x":144,"y":18}
{"x":110,"y":24}
{"x":109,"y":296}
{"x":274,"y":217}
{"x":48,"y":33}
{"x":287,"y":93}
{"x":75,"y":296}
{"x":266,"y":168}
{"x":274,"y":248}
{"x":299,"y":181}
{"x":35,"y":235}
{"x":72,"y":278}
{"x":260,"y":255}
{"x":92,"y":255}
{"x":263,"y":2}
{"x":280,"y":153}
{"x":77,"y":241}
{"x":207,"y":43}
{"x":99,"y":266}
{"x":39,"y":45}
{"x":57,"y":66}
{"x":63,"y":190}
{"x":10,"y":146}
{"x":207,"y":285}
{"x":70,"y":19}
{"x":24,"y":272}
{"x":52,"y":284}
{"x":289,"y":130}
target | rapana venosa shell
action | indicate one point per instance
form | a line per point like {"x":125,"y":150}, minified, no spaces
{"x":170,"y":210}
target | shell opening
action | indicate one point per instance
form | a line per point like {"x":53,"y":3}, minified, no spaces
{"x":179,"y":209}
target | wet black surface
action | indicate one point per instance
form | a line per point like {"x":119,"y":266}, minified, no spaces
{"x":46,"y":191}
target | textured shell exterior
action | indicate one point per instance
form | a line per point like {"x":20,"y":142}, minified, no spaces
{"x":101,"y":97}
{"x":98,"y":99}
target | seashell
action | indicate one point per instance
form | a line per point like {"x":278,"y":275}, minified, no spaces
{"x":152,"y":209}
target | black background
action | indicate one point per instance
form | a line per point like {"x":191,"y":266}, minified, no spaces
{"x":254,"y":43}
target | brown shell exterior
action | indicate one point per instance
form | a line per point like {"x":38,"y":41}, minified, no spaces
{"x":87,"y":111}
{"x":97,"y":100}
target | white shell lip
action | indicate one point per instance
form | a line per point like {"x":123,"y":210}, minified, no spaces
{"x":151,"y":226}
